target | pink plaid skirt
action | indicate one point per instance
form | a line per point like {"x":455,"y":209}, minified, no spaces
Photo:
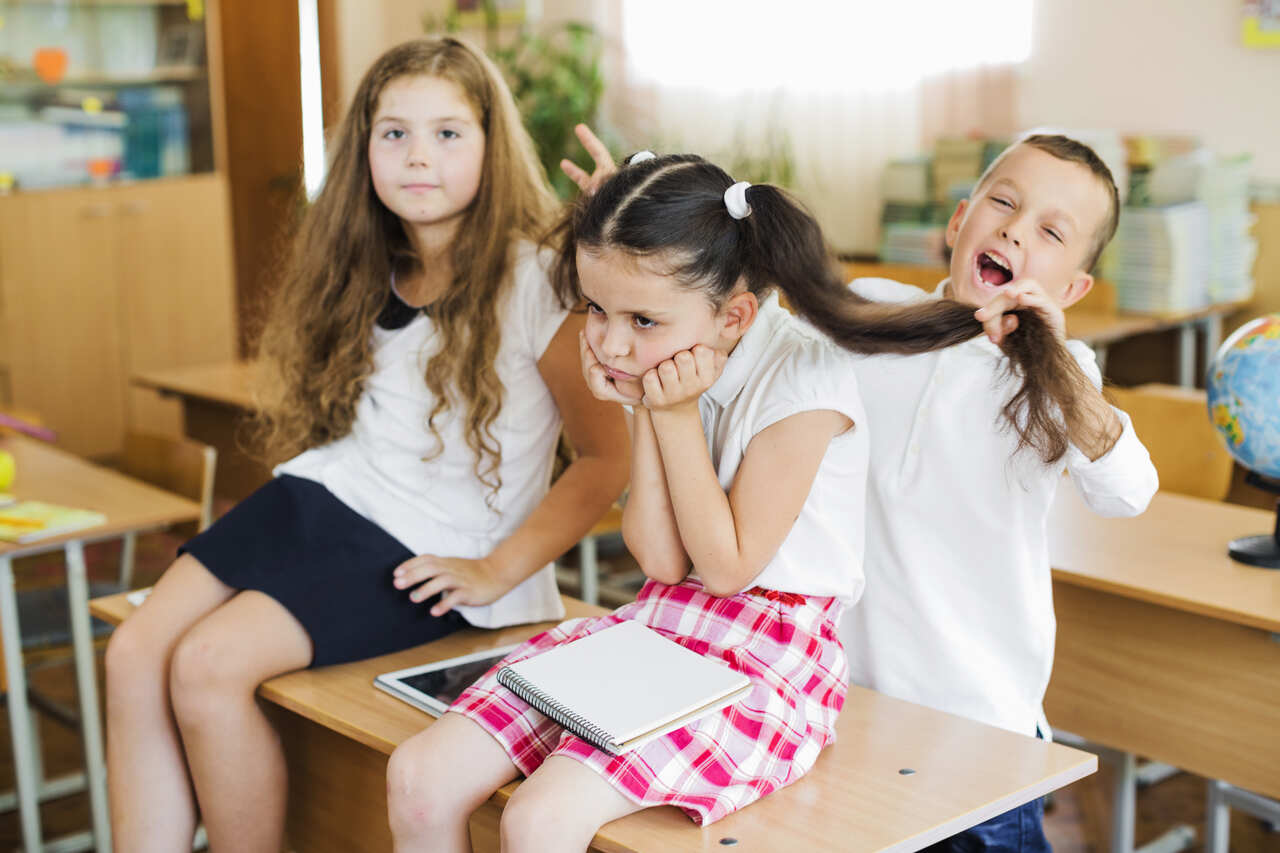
{"x":786,"y":644}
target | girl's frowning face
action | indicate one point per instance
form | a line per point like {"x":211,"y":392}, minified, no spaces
{"x":638,"y":317}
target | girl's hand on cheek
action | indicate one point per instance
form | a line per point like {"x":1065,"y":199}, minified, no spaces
{"x":681,"y":380}
{"x":598,"y":382}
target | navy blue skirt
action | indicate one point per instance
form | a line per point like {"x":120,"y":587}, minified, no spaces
{"x":327,"y":564}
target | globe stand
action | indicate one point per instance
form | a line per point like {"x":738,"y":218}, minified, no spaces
{"x":1261,"y":550}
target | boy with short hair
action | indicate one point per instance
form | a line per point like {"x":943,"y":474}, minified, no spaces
{"x":958,"y":608}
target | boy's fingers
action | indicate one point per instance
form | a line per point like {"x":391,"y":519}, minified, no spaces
{"x":599,"y":153}
{"x":576,"y":174}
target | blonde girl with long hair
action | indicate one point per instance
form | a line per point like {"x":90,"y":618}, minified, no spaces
{"x":423,"y":369}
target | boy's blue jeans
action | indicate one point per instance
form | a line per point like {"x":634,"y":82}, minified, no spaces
{"x":1018,"y":831}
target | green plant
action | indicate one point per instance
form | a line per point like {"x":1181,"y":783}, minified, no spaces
{"x":555,"y":77}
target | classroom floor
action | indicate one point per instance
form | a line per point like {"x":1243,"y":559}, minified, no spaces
{"x":1076,"y":822}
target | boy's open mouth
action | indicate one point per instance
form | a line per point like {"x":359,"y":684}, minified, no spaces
{"x":993,"y":269}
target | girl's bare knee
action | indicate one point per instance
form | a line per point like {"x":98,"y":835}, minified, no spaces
{"x":419,"y":795}
{"x":203,"y":677}
{"x":538,"y":817}
{"x":133,"y":661}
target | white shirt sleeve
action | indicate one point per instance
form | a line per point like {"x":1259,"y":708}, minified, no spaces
{"x":1120,"y":482}
{"x":818,"y":376}
{"x":537,"y":312}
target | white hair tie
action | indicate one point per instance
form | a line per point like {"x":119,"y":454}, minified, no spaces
{"x":640,"y":157}
{"x":735,"y":198}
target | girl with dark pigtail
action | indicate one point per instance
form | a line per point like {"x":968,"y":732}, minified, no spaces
{"x":749,"y":459}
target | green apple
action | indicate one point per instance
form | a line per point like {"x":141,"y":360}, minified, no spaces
{"x":7,"y":469}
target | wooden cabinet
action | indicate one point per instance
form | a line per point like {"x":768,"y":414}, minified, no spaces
{"x":185,"y":115}
{"x":98,"y":284}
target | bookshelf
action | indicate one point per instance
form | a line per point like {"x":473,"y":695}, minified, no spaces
{"x":148,"y":154}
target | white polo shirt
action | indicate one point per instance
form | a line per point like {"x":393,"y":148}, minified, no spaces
{"x":437,"y":505}
{"x":958,"y":612}
{"x":781,"y":367}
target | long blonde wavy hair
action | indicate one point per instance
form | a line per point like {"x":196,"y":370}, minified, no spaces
{"x":316,"y":344}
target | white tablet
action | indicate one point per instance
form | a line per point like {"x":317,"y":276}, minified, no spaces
{"x":433,"y":687}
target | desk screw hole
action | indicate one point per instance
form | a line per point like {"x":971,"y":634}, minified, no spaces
{"x":906,"y":771}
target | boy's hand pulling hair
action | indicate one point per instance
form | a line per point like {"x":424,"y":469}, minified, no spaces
{"x":1026,"y":293}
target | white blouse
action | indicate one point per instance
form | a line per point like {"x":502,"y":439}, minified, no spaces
{"x":958,"y":612}
{"x":384,"y":470}
{"x":781,"y":367}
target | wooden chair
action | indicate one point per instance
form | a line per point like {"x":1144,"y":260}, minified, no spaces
{"x":177,"y":465}
{"x":1173,"y":423}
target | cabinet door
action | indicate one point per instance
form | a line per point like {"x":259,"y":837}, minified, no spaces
{"x":174,"y":272}
{"x":62,"y":318}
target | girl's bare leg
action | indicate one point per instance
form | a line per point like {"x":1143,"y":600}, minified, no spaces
{"x":152,"y":806}
{"x":234,"y":755}
{"x":437,"y":778}
{"x":560,"y":808}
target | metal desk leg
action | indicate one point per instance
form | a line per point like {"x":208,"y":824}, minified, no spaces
{"x":1187,"y":355}
{"x":589,"y":562}
{"x":25,"y":766}
{"x":87,"y":686}
{"x":1123,"y":801}
{"x":1217,"y":818}
{"x":1211,"y":327}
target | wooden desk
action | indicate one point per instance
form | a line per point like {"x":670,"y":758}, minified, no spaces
{"x":338,"y":731}
{"x":47,"y":474}
{"x":1166,"y":646}
{"x":216,"y":401}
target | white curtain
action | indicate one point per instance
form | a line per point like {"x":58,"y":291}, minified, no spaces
{"x":848,"y":86}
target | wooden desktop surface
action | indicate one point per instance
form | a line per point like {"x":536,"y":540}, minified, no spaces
{"x":855,"y":798}
{"x":229,"y":382}
{"x":46,"y":473}
{"x":1174,"y":555}
{"x":1167,"y":647}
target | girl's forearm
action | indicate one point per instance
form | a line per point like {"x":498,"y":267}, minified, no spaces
{"x":575,"y":502}
{"x":700,"y":505}
{"x":648,"y":521}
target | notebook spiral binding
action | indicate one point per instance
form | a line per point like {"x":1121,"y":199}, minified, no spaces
{"x":578,"y":725}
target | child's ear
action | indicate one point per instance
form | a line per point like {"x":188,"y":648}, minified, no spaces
{"x":957,"y":219}
{"x":737,"y":315}
{"x":1076,"y":289}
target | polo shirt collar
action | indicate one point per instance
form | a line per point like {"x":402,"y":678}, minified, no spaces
{"x":745,"y":355}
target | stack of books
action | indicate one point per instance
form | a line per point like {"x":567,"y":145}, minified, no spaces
{"x":913,"y":243}
{"x":1160,"y":258}
{"x":911,"y":223}
{"x":957,"y":165}
{"x":1222,"y":186}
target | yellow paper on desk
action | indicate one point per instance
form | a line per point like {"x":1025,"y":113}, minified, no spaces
{"x":27,"y":521}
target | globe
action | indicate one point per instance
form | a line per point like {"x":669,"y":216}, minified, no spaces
{"x":1243,"y":386}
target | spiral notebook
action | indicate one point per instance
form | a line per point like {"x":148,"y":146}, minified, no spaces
{"x":621,"y":687}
